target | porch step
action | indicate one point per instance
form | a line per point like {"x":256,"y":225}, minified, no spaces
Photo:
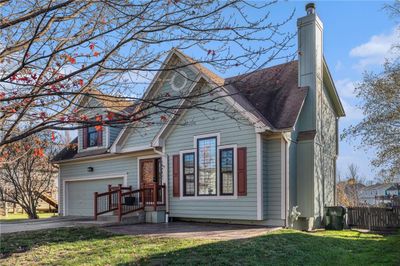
{"x":131,"y":218}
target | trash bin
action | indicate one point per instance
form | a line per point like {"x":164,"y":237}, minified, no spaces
{"x":334,"y":218}
{"x":130,"y":201}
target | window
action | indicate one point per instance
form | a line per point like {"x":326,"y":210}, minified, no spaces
{"x":178,"y":81}
{"x":226,"y":171}
{"x":207,"y":166}
{"x":92,"y":137}
{"x":188,"y":174}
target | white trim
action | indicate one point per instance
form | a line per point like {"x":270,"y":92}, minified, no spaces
{"x":105,"y":140}
{"x":194,"y":150}
{"x":113,"y":148}
{"x":283,"y":178}
{"x":171,"y":81}
{"x":208,"y":135}
{"x":157,"y":141}
{"x":154,"y":156}
{"x":138,"y":148}
{"x":101,"y":157}
{"x":86,"y":178}
{"x":59,"y":189}
{"x":259,"y":173}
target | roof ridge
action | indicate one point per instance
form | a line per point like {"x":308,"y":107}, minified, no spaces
{"x":263,"y":69}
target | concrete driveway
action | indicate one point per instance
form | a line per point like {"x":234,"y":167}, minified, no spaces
{"x":192,"y":230}
{"x":55,"y":222}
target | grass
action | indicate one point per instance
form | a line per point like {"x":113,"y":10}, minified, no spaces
{"x":22,"y":216}
{"x":92,"y":246}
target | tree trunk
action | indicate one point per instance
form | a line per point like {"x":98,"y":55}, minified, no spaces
{"x":32,"y":214}
{"x":31,"y":211}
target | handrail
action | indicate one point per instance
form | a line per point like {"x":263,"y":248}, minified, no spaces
{"x":115,"y":199}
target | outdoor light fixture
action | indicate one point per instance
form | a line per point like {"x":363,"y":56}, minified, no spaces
{"x":90,"y":169}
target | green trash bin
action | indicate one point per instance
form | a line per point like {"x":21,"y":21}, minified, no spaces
{"x":334,"y":218}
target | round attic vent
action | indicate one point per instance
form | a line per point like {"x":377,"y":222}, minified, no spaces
{"x":178,"y":81}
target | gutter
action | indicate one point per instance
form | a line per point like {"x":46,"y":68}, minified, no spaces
{"x":286,"y":148}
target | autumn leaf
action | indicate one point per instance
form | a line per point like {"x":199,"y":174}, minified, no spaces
{"x":91,"y":46}
{"x":80,"y":82}
{"x":38,"y":152}
{"x":71,"y":59}
{"x":53,"y":136}
{"x":163,"y":118}
{"x":110,"y":116}
{"x":98,"y":128}
{"x":96,"y":53}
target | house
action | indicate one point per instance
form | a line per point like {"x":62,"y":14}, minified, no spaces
{"x":272,"y":145}
{"x":378,"y":194}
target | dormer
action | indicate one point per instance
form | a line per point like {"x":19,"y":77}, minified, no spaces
{"x":98,"y":106}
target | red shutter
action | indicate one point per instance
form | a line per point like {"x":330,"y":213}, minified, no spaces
{"x":84,"y":137}
{"x":242,"y":171}
{"x":100,"y":137}
{"x":175,"y":175}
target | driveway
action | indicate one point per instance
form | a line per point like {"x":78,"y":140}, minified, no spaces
{"x":192,"y":230}
{"x":55,"y":222}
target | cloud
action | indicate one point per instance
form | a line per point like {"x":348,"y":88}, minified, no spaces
{"x":353,"y":113}
{"x":339,"y":65}
{"x":345,"y":88}
{"x":376,"y":49}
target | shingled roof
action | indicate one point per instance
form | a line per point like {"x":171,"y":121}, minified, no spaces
{"x":272,"y":92}
{"x":71,"y":152}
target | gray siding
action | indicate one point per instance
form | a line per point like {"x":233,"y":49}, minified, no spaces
{"x":147,"y":129}
{"x":329,"y":140}
{"x":231,"y":132}
{"x":272,"y":178}
{"x":105,"y":167}
{"x":114,"y":131}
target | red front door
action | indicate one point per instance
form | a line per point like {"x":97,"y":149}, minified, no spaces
{"x":150,"y":172}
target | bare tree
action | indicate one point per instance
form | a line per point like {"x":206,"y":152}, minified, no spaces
{"x":380,"y":102}
{"x":354,"y":185}
{"x":54,"y":52}
{"x":28,"y":172}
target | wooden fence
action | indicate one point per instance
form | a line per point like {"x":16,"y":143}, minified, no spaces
{"x":373,"y":218}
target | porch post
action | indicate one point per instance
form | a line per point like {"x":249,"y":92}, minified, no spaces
{"x":155,"y":190}
{"x":95,"y":206}
{"x":119,"y":205}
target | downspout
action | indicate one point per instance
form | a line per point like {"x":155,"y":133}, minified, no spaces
{"x":165,"y":173}
{"x":286,"y":148}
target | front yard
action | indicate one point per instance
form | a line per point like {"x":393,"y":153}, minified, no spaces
{"x":92,"y":246}
{"x":22,"y":216}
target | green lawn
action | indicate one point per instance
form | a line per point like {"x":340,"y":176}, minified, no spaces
{"x":91,"y":246}
{"x":20,"y":216}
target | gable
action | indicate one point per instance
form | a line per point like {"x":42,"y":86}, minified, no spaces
{"x":143,"y":132}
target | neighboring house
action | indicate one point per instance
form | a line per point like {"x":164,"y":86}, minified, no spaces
{"x":393,"y":190}
{"x":378,"y":194}
{"x":273,"y":145}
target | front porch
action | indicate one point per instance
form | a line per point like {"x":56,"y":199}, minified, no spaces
{"x":123,"y":204}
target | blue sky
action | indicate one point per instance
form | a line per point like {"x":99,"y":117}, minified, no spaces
{"x":357,"y":37}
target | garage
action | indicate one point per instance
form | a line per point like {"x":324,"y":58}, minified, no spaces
{"x":79,"y":194}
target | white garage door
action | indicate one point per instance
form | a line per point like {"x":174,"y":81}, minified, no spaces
{"x":79,"y":194}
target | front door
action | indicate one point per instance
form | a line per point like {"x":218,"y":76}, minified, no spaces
{"x":150,"y":172}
